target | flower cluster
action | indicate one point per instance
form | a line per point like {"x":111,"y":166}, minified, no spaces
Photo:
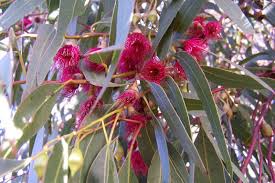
{"x":199,"y":34}
{"x":137,"y":56}
{"x":67,"y":63}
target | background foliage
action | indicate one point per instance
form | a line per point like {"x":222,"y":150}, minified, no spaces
{"x":216,"y":126}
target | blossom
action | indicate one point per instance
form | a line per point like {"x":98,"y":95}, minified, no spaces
{"x":179,"y":71}
{"x":197,"y":28}
{"x":68,"y":74}
{"x":27,"y":23}
{"x":194,"y":47}
{"x":153,"y":71}
{"x":127,"y":64}
{"x":84,"y":110}
{"x":131,"y":127}
{"x":138,"y":46}
{"x":212,"y":30}
{"x":132,"y":58}
{"x":128,"y":97}
{"x":138,"y":164}
{"x":67,"y":56}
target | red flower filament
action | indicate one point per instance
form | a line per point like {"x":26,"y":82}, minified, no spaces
{"x":67,"y":56}
{"x":153,"y":71}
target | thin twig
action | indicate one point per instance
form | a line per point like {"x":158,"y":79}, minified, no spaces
{"x":258,"y":123}
{"x":261,"y":159}
{"x":270,"y":150}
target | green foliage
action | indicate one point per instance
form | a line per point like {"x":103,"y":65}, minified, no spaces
{"x":184,"y":126}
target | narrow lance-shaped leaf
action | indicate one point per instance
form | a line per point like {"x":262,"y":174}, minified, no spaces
{"x":176,"y":98}
{"x":179,"y":172}
{"x":162,"y":147}
{"x":163,"y":151}
{"x":197,"y":78}
{"x":126,"y":174}
{"x":187,"y":13}
{"x":212,"y":162}
{"x":39,"y":112}
{"x":176,"y":124}
{"x":90,"y":147}
{"x":103,"y":168}
{"x":57,"y":167}
{"x":166,"y":19}
{"x":21,"y":7}
{"x":234,"y":12}
{"x":230,"y":79}
{"x":12,"y":165}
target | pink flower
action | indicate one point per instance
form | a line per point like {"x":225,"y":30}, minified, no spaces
{"x":197,"y":28}
{"x":131,"y":127}
{"x":67,"y":74}
{"x":128,"y":97}
{"x":67,"y":56}
{"x":95,"y":67}
{"x":194,"y":47}
{"x":179,"y":71}
{"x":127,"y":63}
{"x":138,"y":164}
{"x":84,"y":110}
{"x":138,"y":47}
{"x":27,"y":23}
{"x":153,"y":71}
{"x":212,"y":30}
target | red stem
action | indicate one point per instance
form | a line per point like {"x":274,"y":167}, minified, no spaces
{"x":270,"y":150}
{"x":256,"y":130}
{"x":216,"y":90}
{"x":261,"y":160}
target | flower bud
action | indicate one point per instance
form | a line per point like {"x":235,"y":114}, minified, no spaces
{"x":266,"y":130}
{"x":153,"y":16}
{"x":40,"y":165}
{"x":136,"y":18}
{"x":75,"y":160}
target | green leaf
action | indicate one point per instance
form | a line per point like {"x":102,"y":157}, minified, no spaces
{"x":126,"y":174}
{"x":113,"y":30}
{"x":52,"y":5}
{"x":162,"y":149}
{"x":230,"y":79}
{"x":154,"y":172}
{"x":212,"y":162}
{"x":57,"y":167}
{"x":103,"y":169}
{"x":197,"y":78}
{"x":21,"y":7}
{"x":193,"y":104}
{"x":90,"y":147}
{"x":174,"y":94}
{"x":97,"y":79}
{"x":187,"y":13}
{"x":235,"y":13}
{"x":45,"y":33}
{"x":35,"y":110}
{"x":12,"y":165}
{"x":209,"y":132}
{"x":166,"y":18}
{"x":268,"y":54}
{"x":147,"y":143}
{"x":165,"y":42}
{"x":100,"y":57}
{"x":269,"y":12}
{"x":179,"y":172}
{"x":175,"y":123}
